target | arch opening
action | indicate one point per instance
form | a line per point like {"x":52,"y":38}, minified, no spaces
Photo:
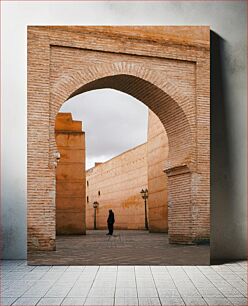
{"x":135,"y":166}
{"x":164,"y":105}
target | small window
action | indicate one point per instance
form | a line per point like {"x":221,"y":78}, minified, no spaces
{"x":87,"y":199}
{"x":99,"y":193}
{"x":87,"y":183}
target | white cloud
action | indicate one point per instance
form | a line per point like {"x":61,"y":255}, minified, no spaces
{"x":113,"y":122}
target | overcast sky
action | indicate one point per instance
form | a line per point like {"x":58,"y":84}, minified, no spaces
{"x":113,"y":122}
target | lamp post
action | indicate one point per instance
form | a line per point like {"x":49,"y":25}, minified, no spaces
{"x":95,"y":205}
{"x":144,"y":194}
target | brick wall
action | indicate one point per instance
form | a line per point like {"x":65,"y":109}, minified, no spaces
{"x":116,"y":185}
{"x":70,"y":176}
{"x":157,"y":153}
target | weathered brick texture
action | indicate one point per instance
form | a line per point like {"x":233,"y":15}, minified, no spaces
{"x":167,"y":68}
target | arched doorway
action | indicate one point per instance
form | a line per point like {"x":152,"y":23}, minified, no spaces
{"x":182,"y":116}
{"x":115,"y":126}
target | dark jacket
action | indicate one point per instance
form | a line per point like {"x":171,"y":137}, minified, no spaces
{"x":111,"y":218}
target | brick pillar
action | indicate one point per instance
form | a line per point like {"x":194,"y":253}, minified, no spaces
{"x":70,"y":176}
{"x":180,"y":205}
{"x":184,"y":196}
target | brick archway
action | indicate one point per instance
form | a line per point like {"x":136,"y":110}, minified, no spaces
{"x":147,"y":86}
{"x":188,"y":185}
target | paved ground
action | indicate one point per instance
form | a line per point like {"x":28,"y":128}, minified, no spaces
{"x":123,"y":285}
{"x":124,"y":248}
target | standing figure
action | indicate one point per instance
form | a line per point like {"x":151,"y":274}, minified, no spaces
{"x":111,"y":221}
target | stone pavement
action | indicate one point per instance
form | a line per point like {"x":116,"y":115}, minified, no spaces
{"x":123,"y":285}
{"x":124,"y":248}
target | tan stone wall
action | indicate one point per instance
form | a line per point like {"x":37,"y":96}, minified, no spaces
{"x":119,"y":181}
{"x":70,"y":176}
{"x":167,"y":68}
{"x":157,"y":152}
{"x":154,"y":158}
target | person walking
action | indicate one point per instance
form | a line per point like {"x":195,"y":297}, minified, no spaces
{"x":111,"y":221}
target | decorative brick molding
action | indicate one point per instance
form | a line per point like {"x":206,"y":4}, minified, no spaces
{"x":177,"y":170}
{"x":167,"y":69}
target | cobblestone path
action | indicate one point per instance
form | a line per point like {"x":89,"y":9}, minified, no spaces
{"x":124,"y":248}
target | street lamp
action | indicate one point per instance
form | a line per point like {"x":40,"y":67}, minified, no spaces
{"x":95,"y":205}
{"x":144,"y":194}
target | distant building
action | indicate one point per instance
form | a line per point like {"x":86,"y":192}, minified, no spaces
{"x":70,"y":175}
{"x":116,"y":184}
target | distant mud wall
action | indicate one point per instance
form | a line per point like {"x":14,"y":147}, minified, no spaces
{"x":70,"y":176}
{"x":116,"y":185}
{"x":157,"y":152}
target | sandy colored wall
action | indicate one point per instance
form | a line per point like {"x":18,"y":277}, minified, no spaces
{"x":157,"y":151}
{"x":124,"y":198}
{"x":119,"y":181}
{"x":70,"y":176}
